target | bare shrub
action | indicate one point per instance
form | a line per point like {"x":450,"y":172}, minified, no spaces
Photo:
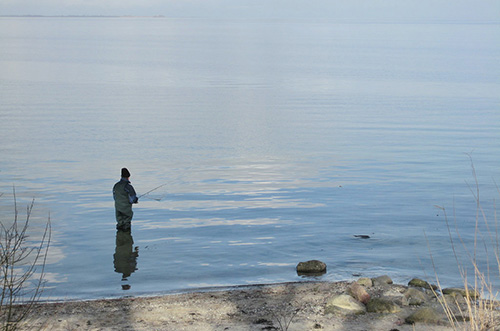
{"x":284,"y":314}
{"x":22,"y":267}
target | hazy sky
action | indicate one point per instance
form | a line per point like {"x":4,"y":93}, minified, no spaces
{"x":338,"y":9}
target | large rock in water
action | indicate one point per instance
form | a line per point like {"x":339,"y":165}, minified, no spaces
{"x":311,"y":267}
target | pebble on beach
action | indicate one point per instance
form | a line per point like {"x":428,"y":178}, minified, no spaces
{"x":332,"y":306}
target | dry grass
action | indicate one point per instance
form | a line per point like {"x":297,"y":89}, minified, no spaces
{"x":479,"y":307}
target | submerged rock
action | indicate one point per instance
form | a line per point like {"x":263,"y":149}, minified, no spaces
{"x":345,"y":305}
{"x":311,"y":267}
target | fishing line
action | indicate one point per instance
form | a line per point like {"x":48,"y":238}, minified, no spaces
{"x":140,"y":196}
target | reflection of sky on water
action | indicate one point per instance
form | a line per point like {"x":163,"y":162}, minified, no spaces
{"x":195,"y":223}
{"x":224,"y":203}
{"x":276,"y":146}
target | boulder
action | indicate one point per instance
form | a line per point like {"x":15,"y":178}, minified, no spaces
{"x":425,"y":315}
{"x":345,"y":305}
{"x":456,"y":304}
{"x":414,"y":297}
{"x":380,"y":305}
{"x":381,"y":280}
{"x":416,"y":282}
{"x":367,"y":282}
{"x":311,"y":267}
{"x":454,"y":299}
{"x":473,"y":294}
{"x":359,"y":293}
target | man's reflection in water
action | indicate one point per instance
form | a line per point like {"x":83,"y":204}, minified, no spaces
{"x":125,"y":257}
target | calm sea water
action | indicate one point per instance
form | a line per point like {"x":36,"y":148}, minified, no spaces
{"x":278,"y":141}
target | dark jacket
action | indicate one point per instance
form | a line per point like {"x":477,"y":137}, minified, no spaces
{"x":124,"y":195}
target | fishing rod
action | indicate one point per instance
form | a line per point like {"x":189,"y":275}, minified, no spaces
{"x":140,"y":196}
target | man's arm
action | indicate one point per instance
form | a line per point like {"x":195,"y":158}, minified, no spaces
{"x":132,"y":196}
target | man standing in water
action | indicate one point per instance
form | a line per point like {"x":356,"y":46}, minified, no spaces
{"x":124,"y":195}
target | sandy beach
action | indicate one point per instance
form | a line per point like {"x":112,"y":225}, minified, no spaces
{"x":259,"y":307}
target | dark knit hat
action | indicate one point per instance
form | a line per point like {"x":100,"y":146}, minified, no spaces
{"x":125,"y":173}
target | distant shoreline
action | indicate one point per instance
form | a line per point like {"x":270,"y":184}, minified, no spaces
{"x":82,"y":16}
{"x":343,"y":21}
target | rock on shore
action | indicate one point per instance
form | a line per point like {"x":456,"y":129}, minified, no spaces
{"x":305,"y":306}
